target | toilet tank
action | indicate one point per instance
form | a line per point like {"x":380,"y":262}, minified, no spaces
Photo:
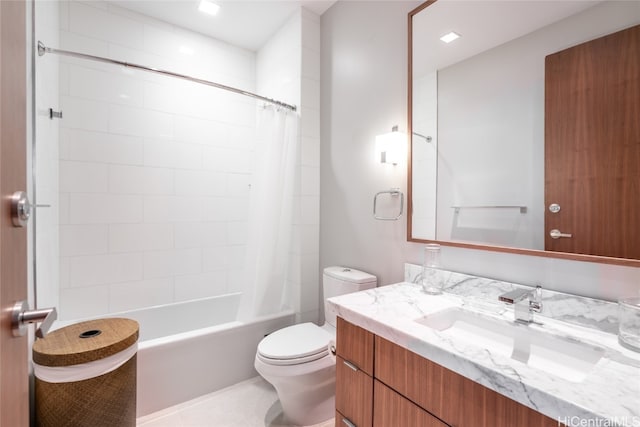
{"x":343,"y":280}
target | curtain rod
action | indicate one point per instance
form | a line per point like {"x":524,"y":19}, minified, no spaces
{"x":42,"y":49}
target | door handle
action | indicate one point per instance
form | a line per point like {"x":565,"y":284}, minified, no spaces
{"x":21,"y":316}
{"x":556,"y":234}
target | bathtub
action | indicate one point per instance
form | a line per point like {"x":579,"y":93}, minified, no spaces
{"x":192,"y":348}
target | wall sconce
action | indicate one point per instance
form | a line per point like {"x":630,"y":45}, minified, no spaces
{"x":390,"y":147}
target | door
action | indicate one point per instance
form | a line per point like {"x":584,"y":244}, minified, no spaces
{"x":14,"y":389}
{"x":592,"y":146}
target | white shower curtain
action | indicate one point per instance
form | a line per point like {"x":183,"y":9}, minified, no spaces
{"x":270,"y":214}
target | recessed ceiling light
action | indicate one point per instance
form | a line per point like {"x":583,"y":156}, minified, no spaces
{"x":208,"y":7}
{"x":449,"y":37}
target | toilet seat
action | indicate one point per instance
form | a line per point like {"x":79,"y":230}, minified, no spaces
{"x":293,"y":345}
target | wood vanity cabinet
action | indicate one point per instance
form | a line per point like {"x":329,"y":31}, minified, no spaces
{"x":354,"y":375}
{"x":403,"y":389}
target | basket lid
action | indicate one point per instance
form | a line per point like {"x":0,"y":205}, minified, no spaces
{"x":85,"y":342}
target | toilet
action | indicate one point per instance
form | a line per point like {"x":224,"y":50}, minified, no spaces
{"x":296,"y":360}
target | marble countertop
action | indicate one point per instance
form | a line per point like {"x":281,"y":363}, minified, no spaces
{"x":608,"y":395}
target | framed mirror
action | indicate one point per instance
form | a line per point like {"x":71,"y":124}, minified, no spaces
{"x":486,"y":109}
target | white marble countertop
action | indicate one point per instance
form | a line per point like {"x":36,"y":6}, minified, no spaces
{"x":608,"y":395}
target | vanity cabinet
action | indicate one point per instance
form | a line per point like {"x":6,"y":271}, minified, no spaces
{"x":405,"y":389}
{"x":354,"y":375}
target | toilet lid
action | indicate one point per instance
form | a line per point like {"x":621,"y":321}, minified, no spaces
{"x":295,"y":342}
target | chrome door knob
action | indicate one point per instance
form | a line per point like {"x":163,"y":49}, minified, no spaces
{"x":556,"y":234}
{"x":21,"y":209}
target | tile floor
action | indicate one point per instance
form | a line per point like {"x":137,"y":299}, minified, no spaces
{"x":251,"y":403}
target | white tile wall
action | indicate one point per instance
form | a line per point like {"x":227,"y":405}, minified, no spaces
{"x":63,"y":209}
{"x":83,"y":240}
{"x":84,"y":302}
{"x":140,"y":122}
{"x":155,"y":173}
{"x":236,"y":256}
{"x":237,"y":232}
{"x":140,"y":180}
{"x":170,"y":154}
{"x":81,"y":145}
{"x":140,"y":237}
{"x":200,"y":183}
{"x":84,"y":114}
{"x":142,"y":293}
{"x":79,"y":43}
{"x":105,"y":269}
{"x":200,"y":285}
{"x":200,"y":234}
{"x":86,"y":208}
{"x":104,"y":86}
{"x":99,"y":24}
{"x":225,"y":159}
{"x":83,"y":177}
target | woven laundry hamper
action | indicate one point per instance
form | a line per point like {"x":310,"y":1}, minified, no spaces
{"x":85,"y":375}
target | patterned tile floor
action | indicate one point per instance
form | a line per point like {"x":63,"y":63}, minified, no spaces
{"x":251,"y":403}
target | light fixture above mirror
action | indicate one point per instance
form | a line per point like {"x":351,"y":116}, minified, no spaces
{"x":390,"y":147}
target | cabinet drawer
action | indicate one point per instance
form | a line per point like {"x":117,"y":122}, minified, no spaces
{"x":392,"y":410}
{"x":355,"y":345}
{"x":354,"y":393}
{"x":449,"y":396}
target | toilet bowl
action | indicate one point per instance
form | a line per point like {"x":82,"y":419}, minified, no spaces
{"x":296,"y":360}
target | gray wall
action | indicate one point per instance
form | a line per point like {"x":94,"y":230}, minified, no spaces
{"x":363,"y":94}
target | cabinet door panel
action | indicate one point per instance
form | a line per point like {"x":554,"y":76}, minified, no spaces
{"x":354,"y":394}
{"x":393,"y":410}
{"x":504,"y":412}
{"x":449,"y":396}
{"x":355,"y":345}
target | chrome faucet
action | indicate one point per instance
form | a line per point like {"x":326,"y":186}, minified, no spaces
{"x":525,"y":303}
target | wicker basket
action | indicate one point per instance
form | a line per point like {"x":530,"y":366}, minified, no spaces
{"x":106,"y":400}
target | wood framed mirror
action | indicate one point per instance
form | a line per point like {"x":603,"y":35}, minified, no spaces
{"x":500,"y":119}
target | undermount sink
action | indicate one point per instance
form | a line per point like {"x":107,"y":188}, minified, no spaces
{"x":561,"y":357}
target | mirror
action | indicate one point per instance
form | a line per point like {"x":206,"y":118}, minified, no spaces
{"x":477,"y":121}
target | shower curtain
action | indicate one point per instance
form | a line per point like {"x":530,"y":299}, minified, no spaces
{"x":270,"y":214}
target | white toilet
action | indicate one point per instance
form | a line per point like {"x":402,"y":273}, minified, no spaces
{"x":296,"y":359}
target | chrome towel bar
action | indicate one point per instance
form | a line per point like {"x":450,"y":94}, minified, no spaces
{"x":394,"y":192}
{"x":523,"y":209}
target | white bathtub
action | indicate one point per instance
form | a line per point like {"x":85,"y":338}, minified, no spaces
{"x":193,"y":348}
